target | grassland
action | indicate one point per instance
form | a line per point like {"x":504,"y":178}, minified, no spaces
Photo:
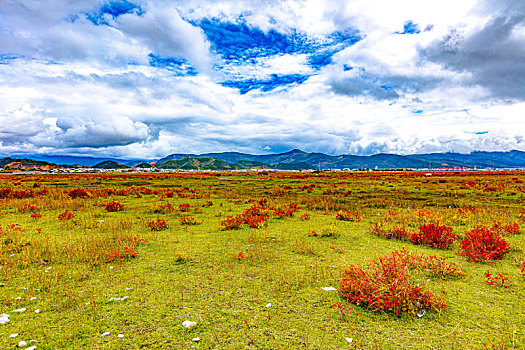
{"x":254,"y":288}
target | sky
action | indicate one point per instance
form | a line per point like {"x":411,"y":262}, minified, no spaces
{"x":148,"y":78}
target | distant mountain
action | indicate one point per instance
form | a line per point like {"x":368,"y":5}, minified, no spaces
{"x":292,"y":160}
{"x":199,"y":164}
{"x":109,"y":164}
{"x":24,"y":163}
{"x":71,"y":160}
{"x":297,"y":159}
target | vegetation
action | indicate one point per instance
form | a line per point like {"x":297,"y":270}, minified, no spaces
{"x":263,"y":260}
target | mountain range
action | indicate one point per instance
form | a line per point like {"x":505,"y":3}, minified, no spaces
{"x":296,"y":160}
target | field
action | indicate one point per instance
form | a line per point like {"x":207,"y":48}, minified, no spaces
{"x":418,"y":262}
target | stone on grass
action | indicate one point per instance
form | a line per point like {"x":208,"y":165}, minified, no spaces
{"x":120,"y":335}
{"x":13,"y":335}
{"x":189,"y":324}
{"x":31,"y":348}
{"x":328,"y":289}
{"x":196,"y":340}
{"x":20,"y":310}
{"x":22,"y":344}
{"x":350,"y":340}
{"x":104,"y":334}
{"x":4,"y":318}
{"x":269,"y":305}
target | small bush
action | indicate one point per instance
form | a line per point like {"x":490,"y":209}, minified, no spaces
{"x":188,"y":220}
{"x":66,"y":216}
{"x":127,"y":254}
{"x":400,"y":233}
{"x":434,"y":235}
{"x":347,"y":216}
{"x":184,"y":207}
{"x":481,"y":244}
{"x":114,"y":206}
{"x":164,"y":208}
{"x":79,"y":193}
{"x":157,"y":225}
{"x":388,"y":287}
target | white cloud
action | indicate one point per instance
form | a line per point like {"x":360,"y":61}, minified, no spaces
{"x":81,"y":88}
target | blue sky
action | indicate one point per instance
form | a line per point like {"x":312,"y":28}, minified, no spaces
{"x":147,"y":78}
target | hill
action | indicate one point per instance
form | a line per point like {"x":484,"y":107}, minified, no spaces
{"x":109,"y":164}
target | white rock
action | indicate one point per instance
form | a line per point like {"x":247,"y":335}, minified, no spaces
{"x":18,"y":298}
{"x":33,"y":298}
{"x":421,"y":314}
{"x":111,"y":267}
{"x":120,"y":335}
{"x":37,"y":311}
{"x":269,"y":305}
{"x":104,"y":334}
{"x":196,"y":340}
{"x":4,"y":318}
{"x":22,"y":344}
{"x":350,"y":340}
{"x":13,"y":335}
{"x":189,"y":324}
{"x":31,"y":348}
{"x":32,"y":341}
{"x":20,"y":310}
{"x":328,"y":289}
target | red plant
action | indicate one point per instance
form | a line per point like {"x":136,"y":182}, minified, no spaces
{"x":78,"y":193}
{"x":342,"y":309}
{"x":481,"y":244}
{"x":66,"y":216}
{"x":305,"y":216}
{"x":232,"y":223}
{"x":114,"y":206}
{"x":188,"y":220}
{"x":127,"y":254}
{"x":286,"y":210}
{"x":184,"y":207}
{"x":164,"y":208}
{"x":157,"y":225}
{"x":36,"y":216}
{"x":499,"y":279}
{"x":28,"y":207}
{"x":240,"y":256}
{"x":502,"y":229}
{"x":434,"y":235}
{"x":347,"y":216}
{"x":388,"y":286}
{"x":136,"y":241}
{"x":520,"y":263}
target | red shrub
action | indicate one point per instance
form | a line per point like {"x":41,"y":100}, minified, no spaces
{"x":36,"y":216}
{"x":347,"y":216}
{"x":127,"y":254}
{"x":434,"y":235}
{"x":305,"y":216}
{"x":388,"y":287}
{"x":188,"y":220}
{"x":164,"y":208}
{"x":286,"y":210}
{"x":184,"y":207}
{"x":136,"y":241}
{"x":28,"y":207}
{"x":78,"y":193}
{"x":114,"y":206}
{"x":157,"y":225}
{"x":498,"y":280}
{"x":66,"y":215}
{"x":481,"y":244}
{"x":232,"y":223}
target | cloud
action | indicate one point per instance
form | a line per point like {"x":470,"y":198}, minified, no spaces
{"x":146,"y":78}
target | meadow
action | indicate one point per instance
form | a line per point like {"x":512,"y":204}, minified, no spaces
{"x":329,"y":260}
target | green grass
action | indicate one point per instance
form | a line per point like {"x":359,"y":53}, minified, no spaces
{"x":194,"y":273}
